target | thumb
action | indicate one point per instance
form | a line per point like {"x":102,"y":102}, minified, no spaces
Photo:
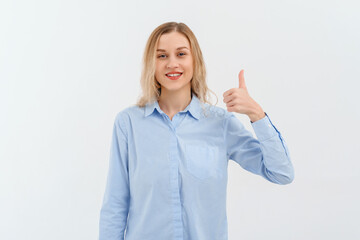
{"x":242,"y":79}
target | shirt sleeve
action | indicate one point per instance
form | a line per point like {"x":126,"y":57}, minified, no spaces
{"x":114,"y":210}
{"x":267,"y":156}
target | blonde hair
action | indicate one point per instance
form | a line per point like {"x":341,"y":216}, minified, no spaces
{"x":150,"y":86}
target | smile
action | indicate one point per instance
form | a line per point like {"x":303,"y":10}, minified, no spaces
{"x":173,"y":76}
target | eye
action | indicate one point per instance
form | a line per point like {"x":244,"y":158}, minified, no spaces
{"x":160,"y":56}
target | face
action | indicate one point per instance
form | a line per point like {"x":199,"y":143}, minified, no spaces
{"x":174,"y":56}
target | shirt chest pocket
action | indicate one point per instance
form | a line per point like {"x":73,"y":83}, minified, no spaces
{"x":201,"y":161}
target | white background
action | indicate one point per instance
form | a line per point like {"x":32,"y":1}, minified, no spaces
{"x":67,"y":67}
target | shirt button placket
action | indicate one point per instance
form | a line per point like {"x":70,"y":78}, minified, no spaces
{"x":174,"y":186}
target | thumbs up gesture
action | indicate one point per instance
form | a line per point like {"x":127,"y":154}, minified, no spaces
{"x":238,"y":100}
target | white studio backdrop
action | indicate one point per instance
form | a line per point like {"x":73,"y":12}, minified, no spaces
{"x":68,"y":67}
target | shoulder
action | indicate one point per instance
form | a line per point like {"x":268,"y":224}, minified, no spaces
{"x":228,"y":120}
{"x":214,"y":111}
{"x":125,"y":115}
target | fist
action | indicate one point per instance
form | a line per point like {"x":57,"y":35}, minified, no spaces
{"x":238,"y":100}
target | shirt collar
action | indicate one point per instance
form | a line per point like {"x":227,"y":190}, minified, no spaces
{"x":193,"y":107}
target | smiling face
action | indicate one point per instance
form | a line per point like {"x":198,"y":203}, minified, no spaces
{"x":174,"y":56}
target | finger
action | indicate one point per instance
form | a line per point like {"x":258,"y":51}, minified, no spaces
{"x":229,"y":98}
{"x":242,"y":79}
{"x":228,"y":92}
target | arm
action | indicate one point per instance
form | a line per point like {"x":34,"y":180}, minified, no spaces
{"x":267,"y":156}
{"x":114,"y":210}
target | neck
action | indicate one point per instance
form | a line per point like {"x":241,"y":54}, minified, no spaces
{"x":173,"y":102}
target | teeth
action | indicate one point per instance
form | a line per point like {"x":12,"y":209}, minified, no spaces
{"x":173,"y":75}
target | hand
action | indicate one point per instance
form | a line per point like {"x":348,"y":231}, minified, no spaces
{"x":238,"y":100}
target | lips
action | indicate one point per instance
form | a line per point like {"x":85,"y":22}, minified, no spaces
{"x":174,"y":77}
{"x":173,"y":73}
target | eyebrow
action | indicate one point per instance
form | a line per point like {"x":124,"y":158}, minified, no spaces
{"x":162,"y":50}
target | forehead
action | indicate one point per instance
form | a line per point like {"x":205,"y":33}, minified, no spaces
{"x":172,"y":41}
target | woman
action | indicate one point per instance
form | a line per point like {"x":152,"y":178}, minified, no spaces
{"x":169,"y":154}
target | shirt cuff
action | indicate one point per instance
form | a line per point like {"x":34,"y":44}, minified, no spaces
{"x":264,"y":129}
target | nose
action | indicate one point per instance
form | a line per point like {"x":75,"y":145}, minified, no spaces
{"x":172,"y":63}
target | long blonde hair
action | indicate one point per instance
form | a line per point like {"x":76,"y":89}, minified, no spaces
{"x":150,"y":86}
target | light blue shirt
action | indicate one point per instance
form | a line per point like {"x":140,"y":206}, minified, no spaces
{"x":167,"y":179}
